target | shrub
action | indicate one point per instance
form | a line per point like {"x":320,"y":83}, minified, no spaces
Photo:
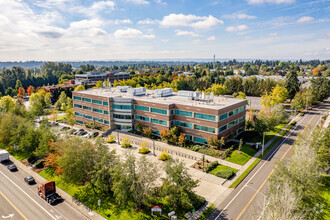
{"x":164,"y":156}
{"x":226,"y":174}
{"x":293,"y":123}
{"x":125,"y":142}
{"x":40,"y":164}
{"x":211,"y":166}
{"x":227,"y":152}
{"x":144,"y":150}
{"x":111,"y":139}
{"x":32,"y":158}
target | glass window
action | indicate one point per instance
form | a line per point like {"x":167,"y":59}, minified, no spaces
{"x":106,"y":122}
{"x":106,"y":112}
{"x":241,"y":119}
{"x":87,"y":100}
{"x":183,"y":124}
{"x":204,"y":116}
{"x":204,"y":128}
{"x":200,"y":140}
{"x":241,"y":109}
{"x":159,"y":111}
{"x":223,"y":128}
{"x":160,"y":122}
{"x":77,"y":98}
{"x":189,"y":137}
{"x":88,"y":116}
{"x":233,"y":112}
{"x":97,"y":110}
{"x":79,"y":122}
{"x":156,"y":132}
{"x":77,"y":106}
{"x":98,"y":119}
{"x":142,"y":108}
{"x":223,"y":116}
{"x":122,"y":106}
{"x":183,"y":113}
{"x":78,"y":114}
{"x":87,"y":108}
{"x":106,"y":103}
{"x":171,"y":112}
{"x":142,"y":118}
{"x":122,"y":116}
{"x":233,"y":123}
{"x":97,"y":102}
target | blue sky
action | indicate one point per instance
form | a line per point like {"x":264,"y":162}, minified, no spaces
{"x":61,"y":30}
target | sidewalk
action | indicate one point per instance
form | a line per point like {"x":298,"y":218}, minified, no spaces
{"x":87,"y":212}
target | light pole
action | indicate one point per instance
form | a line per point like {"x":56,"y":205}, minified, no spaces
{"x":263,"y":143}
{"x":203,"y":161}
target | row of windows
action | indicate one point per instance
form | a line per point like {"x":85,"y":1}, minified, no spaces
{"x":156,"y":132}
{"x":97,"y":110}
{"x":123,"y":116}
{"x":89,"y":100}
{"x":142,"y":108}
{"x":121,"y":106}
{"x":91,"y":118}
{"x":142,"y":118}
{"x":231,"y":113}
{"x":223,"y":116}
{"x":204,"y":116}
{"x":157,"y":121}
{"x":204,"y":128}
{"x":183,"y":124}
{"x":159,"y":111}
{"x":90,"y":109}
{"x":200,"y":140}
{"x":183,"y":113}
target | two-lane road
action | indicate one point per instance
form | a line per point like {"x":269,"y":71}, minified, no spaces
{"x":248,"y":199}
{"x":18,"y":200}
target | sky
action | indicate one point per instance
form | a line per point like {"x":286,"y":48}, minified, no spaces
{"x":81,"y":30}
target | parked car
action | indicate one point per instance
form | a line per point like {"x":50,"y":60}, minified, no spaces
{"x":72,"y":131}
{"x":77,"y":131}
{"x":81,"y":133}
{"x":12,"y":167}
{"x":95,"y":134}
{"x":29,"y":180}
{"x":88,"y":135}
{"x":65,"y":128}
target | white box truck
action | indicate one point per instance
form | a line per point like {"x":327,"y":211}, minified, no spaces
{"x":4,"y":155}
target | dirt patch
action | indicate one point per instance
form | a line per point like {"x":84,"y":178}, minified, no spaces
{"x":25,"y":162}
{"x":199,"y":164}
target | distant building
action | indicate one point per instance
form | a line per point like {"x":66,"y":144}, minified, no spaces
{"x":185,"y":74}
{"x":101,"y":76}
{"x":198,"y":115}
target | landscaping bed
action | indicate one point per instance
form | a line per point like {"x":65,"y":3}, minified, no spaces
{"x":243,"y":156}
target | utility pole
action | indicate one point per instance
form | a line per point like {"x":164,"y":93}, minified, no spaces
{"x":263,"y":144}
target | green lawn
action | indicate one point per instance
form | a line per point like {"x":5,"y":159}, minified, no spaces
{"x":61,"y":118}
{"x":222,"y":167}
{"x":244,"y":157}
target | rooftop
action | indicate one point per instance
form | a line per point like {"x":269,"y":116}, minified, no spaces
{"x":218,"y":102}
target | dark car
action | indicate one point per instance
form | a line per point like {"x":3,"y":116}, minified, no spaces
{"x":78,"y":131}
{"x":65,"y":128}
{"x":81,"y":133}
{"x":29,"y":180}
{"x":12,"y":167}
{"x":95,"y":134}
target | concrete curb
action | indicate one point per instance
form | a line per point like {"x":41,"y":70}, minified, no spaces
{"x":80,"y":207}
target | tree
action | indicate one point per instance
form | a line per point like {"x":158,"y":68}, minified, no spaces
{"x":316,"y":72}
{"x":70,"y":117}
{"x":30,"y":90}
{"x":39,"y":101}
{"x":10,"y":91}
{"x":18,"y":85}
{"x":292,"y":84}
{"x":62,"y":99}
{"x":7,"y":104}
{"x":21,"y":92}
{"x":239,"y":95}
{"x":217,"y":89}
{"x":320,"y":88}
{"x":79,"y":88}
{"x":213,"y":141}
{"x":147,"y":131}
{"x":279,"y":94}
{"x":298,"y":102}
{"x":53,"y":115}
{"x":182,"y":139}
{"x":99,"y":84}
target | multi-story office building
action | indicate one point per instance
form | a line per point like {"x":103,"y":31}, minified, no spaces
{"x":198,"y":115}
{"x":101,"y":76}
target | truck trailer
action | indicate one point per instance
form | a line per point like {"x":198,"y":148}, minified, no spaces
{"x":4,"y":155}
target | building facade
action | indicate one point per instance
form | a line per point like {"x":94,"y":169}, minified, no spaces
{"x":198,"y":116}
{"x":101,"y":76}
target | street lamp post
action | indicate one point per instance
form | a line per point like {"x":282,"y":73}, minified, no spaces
{"x":203,"y":161}
{"x":263,"y":144}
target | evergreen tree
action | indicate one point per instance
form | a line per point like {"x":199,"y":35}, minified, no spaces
{"x":292,"y":83}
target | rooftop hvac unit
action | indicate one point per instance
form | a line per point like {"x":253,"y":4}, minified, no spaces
{"x":137,"y":91}
{"x":211,"y":96}
{"x":123,"y":88}
{"x":203,"y":95}
{"x":187,"y":94}
{"x":167,"y":92}
{"x":196,"y":95}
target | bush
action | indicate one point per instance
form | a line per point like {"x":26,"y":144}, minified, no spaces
{"x":39,"y":164}
{"x":32,"y":159}
{"x":164,"y":156}
{"x":111,"y":139}
{"x":227,"y":152}
{"x":144,"y":150}
{"x":211,"y":166}
{"x":293,"y":123}
{"x":226,"y":174}
{"x":126,"y":145}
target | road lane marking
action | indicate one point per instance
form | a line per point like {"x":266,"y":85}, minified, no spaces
{"x":255,"y":194}
{"x":28,"y":196}
{"x":12,"y":204}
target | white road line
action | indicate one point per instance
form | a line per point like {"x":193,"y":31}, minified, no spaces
{"x":28,"y":196}
{"x":260,"y":168}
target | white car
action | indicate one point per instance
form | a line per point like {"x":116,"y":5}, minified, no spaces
{"x":88,"y":135}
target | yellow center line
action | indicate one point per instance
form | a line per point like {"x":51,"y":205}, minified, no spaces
{"x":12,"y":204}
{"x":255,"y":194}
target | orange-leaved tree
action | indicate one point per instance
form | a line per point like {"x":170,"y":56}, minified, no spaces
{"x":21,"y":92}
{"x":30,"y":90}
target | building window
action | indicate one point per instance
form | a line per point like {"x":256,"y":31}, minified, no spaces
{"x":156,"y":132}
{"x":159,"y":111}
{"x":241,"y":109}
{"x":98,"y":119}
{"x":142,"y":118}
{"x":171,"y":112}
{"x":128,"y":107}
{"x":189,"y":137}
{"x":223,"y":128}
{"x":183,"y":124}
{"x":172,"y":123}
{"x":233,"y":123}
{"x":142,"y":108}
{"x":200,"y":140}
{"x":223,"y":116}
{"x":160,"y":122}
{"x":87,"y":108}
{"x":88,"y":117}
{"x":234,"y":112}
{"x":79,"y":122}
{"x":204,"y":116}
{"x":97,"y":102}
{"x":241,"y":119}
{"x":78,"y":114}
{"x":87,"y":100}
{"x":97,"y":110}
{"x":106,"y":122}
{"x":77,"y":98}
{"x":183,"y":113}
{"x":77,"y":106}
{"x":122,"y":116}
{"x":106,"y":103}
{"x":204,"y":128}
{"x":106,"y":112}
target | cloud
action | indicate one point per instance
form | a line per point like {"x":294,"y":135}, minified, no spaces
{"x":52,"y":33}
{"x":190,"y":20}
{"x":305,"y":19}
{"x":273,"y":34}
{"x":138,"y":2}
{"x":120,"y":21}
{"x":237,"y":28}
{"x":148,"y":21}
{"x":99,"y":6}
{"x":85,"y":24}
{"x":257,"y":2}
{"x":211,"y":38}
{"x":239,"y":16}
{"x":131,"y":33}
{"x":185,"y":33}
{"x":160,"y":2}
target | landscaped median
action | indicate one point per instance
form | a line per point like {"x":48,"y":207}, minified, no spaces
{"x":248,"y":170}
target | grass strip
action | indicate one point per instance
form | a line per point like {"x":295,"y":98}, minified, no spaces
{"x":206,"y":213}
{"x":248,"y":170}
